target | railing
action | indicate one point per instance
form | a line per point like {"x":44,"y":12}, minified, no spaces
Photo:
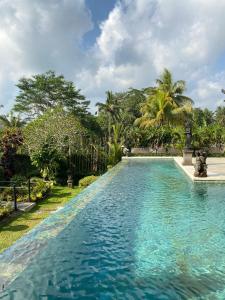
{"x":91,"y":163}
{"x":15,"y":188}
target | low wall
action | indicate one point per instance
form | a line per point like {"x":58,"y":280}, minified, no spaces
{"x":171,"y":151}
{"x":160,"y":151}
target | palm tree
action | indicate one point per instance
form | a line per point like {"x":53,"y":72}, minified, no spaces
{"x":166,"y":103}
{"x":157,"y":110}
{"x":174,"y":89}
{"x":110,"y":108}
{"x":115,"y":145}
{"x":11,"y":121}
{"x":182,"y":114}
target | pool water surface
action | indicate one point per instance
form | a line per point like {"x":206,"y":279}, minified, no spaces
{"x":147,"y":232}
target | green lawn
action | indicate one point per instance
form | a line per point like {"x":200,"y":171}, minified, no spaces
{"x":16,"y":226}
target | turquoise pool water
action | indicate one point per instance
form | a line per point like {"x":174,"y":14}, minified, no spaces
{"x":142,"y":231}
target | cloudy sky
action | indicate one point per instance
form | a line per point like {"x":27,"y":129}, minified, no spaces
{"x":113,"y":45}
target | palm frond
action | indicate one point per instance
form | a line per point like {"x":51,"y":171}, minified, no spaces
{"x":179,"y":87}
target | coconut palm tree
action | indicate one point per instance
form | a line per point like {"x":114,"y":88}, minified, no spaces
{"x":165,"y":103}
{"x":157,"y":110}
{"x":115,"y":145}
{"x":181,"y":114}
{"x":110,"y":108}
{"x":175,"y":90}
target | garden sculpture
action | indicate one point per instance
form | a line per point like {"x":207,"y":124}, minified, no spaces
{"x":188,"y":135}
{"x":201,"y":166}
{"x":125,"y":150}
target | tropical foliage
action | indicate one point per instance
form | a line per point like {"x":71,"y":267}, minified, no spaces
{"x":115,"y":145}
{"x":51,"y":137}
{"x":10,"y":142}
{"x":52,"y":128}
{"x":165,"y":103}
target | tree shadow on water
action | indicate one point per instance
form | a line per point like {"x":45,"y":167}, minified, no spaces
{"x":183,"y":285}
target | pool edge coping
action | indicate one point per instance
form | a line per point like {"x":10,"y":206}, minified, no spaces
{"x":178,"y":161}
{"x":102,"y":179}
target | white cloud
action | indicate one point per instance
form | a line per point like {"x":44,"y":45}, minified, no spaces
{"x":39,"y":35}
{"x":138,"y":39}
{"x":142,"y":37}
{"x":208,"y":90}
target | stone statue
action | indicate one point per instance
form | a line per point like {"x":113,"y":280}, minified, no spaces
{"x":188,"y":135}
{"x":125,"y":150}
{"x":201,"y":166}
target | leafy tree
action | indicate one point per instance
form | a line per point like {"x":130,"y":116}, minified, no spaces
{"x":44,"y":91}
{"x":219,"y":135}
{"x":198,"y":117}
{"x":47,"y":160}
{"x":135,"y":137}
{"x":57,"y":133}
{"x":208,"y":117}
{"x":92,"y":124}
{"x":220,"y":115}
{"x":165,"y":136}
{"x":12,"y":138}
{"x":130,"y":104}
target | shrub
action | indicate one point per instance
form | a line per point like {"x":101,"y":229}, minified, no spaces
{"x":21,"y":189}
{"x":19,"y":180}
{"x":40,"y":188}
{"x":87,"y":180}
{"x":6,"y":194}
{"x":5,"y":209}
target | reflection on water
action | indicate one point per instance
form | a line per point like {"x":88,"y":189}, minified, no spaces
{"x":149,"y":234}
{"x":200,"y":190}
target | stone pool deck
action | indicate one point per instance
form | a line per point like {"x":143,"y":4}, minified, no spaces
{"x":216,"y":167}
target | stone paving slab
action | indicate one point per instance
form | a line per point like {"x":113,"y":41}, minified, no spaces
{"x":216,"y":169}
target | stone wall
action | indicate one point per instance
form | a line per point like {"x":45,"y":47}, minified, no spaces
{"x":160,"y":151}
{"x":172,"y":151}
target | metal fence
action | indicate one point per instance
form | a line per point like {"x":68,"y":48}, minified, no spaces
{"x":10,"y":191}
{"x":93,"y":161}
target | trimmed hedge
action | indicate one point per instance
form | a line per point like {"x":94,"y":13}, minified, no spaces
{"x":84,"y":182}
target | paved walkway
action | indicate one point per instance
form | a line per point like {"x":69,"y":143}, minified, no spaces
{"x":216,"y":169}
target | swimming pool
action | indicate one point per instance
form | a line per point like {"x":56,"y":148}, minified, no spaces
{"x":142,"y":231}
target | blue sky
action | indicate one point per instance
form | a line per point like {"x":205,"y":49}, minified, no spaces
{"x":100,"y":10}
{"x":114,"y":44}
